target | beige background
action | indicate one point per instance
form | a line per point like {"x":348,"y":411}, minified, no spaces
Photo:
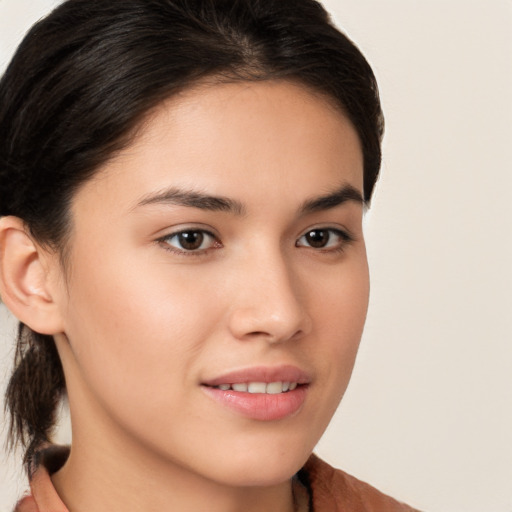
{"x":428,"y":416}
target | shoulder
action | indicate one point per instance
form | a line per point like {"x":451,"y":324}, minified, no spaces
{"x":333,"y":490}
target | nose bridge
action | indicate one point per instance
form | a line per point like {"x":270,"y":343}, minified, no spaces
{"x":269,"y":303}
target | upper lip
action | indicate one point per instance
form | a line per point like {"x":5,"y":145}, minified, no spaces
{"x":267,"y":374}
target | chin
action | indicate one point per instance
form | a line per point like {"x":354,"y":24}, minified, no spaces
{"x":261,"y":469}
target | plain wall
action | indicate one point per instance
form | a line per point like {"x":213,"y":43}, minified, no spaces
{"x":428,"y":415}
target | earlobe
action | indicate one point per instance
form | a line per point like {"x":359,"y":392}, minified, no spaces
{"x":25,"y":284}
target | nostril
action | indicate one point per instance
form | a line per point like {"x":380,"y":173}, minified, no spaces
{"x":258,"y":334}
{"x":273,"y":337}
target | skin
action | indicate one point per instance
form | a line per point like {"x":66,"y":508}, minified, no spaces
{"x":142,"y":323}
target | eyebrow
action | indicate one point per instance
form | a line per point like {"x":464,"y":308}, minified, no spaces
{"x":195,"y":199}
{"x":338,"y":197}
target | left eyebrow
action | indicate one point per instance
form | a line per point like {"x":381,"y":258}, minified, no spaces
{"x":338,"y":197}
{"x":194,"y":199}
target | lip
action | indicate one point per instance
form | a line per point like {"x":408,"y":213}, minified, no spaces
{"x":260,"y":406}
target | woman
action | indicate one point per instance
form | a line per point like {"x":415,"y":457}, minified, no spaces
{"x":182,"y":191}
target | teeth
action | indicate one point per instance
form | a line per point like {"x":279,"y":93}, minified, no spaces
{"x":272,"y":388}
{"x":257,"y":387}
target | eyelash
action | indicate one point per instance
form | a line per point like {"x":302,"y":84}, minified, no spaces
{"x":345,"y":239}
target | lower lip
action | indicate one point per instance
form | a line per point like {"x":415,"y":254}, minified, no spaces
{"x":260,"y":406}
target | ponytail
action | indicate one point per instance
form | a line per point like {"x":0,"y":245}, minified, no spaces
{"x":34,"y":392}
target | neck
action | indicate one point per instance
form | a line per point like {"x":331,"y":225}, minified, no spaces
{"x":104,"y":480}
{"x":120,"y":475}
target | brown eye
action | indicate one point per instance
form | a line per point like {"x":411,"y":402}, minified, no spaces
{"x":317,"y":238}
{"x":190,"y":240}
{"x":324,"y":238}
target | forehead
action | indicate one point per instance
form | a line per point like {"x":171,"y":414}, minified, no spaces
{"x":229,"y":139}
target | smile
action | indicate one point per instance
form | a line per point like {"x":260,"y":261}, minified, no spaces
{"x":261,"y":393}
{"x":271,"y":388}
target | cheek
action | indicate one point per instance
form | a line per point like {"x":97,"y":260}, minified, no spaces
{"x":340,"y":318}
{"x":338,"y":306}
{"x":135,"y":331}
{"x":341,"y":299}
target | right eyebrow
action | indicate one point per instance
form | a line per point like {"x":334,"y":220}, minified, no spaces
{"x":193,"y":199}
{"x":344,"y":194}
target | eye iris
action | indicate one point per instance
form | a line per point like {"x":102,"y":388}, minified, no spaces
{"x":318,"y":238}
{"x":191,"y":240}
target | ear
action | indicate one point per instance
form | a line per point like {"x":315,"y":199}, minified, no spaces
{"x":28,"y":278}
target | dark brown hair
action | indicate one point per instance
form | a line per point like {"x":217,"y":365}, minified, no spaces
{"x":83,"y":79}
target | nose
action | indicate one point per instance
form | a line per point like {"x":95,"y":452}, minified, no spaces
{"x":268,"y":302}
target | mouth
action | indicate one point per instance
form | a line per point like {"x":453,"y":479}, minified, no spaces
{"x":271,"y":388}
{"x":261,"y":393}
{"x":261,"y":379}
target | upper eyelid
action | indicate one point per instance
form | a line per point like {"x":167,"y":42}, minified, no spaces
{"x":172,"y":234}
{"x":341,"y":232}
{"x":181,"y":228}
{"x":345,"y":232}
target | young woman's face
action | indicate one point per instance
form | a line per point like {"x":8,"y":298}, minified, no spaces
{"x":214,"y":264}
